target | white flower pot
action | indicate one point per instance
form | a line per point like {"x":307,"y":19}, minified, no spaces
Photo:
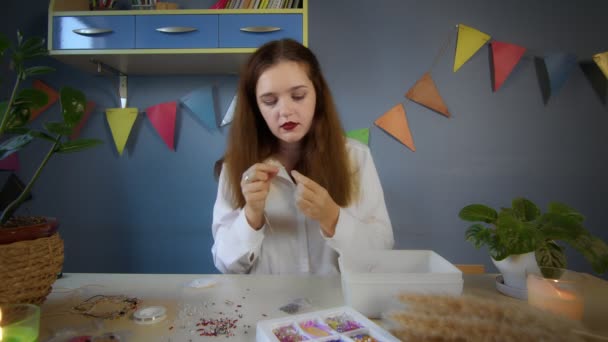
{"x":514,"y":269}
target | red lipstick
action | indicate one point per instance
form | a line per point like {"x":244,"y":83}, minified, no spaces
{"x":288,"y":126}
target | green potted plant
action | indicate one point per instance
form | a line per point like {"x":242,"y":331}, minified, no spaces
{"x":31,"y":251}
{"x":521,"y":237}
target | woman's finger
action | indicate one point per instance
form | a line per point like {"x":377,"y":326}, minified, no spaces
{"x":259,"y":172}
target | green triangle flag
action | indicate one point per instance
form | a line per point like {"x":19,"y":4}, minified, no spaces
{"x":359,"y":134}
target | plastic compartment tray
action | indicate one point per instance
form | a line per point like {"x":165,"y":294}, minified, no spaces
{"x":336,"y":324}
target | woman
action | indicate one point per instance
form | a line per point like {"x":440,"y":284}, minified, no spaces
{"x":293,"y":191}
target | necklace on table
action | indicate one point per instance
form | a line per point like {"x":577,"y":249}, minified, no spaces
{"x":106,"y":307}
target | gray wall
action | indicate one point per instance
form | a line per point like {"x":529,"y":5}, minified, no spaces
{"x":150,"y":210}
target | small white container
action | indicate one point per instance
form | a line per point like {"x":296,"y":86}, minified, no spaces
{"x":372,"y":280}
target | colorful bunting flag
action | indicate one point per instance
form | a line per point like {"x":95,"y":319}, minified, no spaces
{"x":425,"y":93}
{"x":52,"y":94}
{"x":121,"y":122}
{"x":162,"y":117}
{"x":394,"y":122}
{"x":469,"y":41}
{"x":601,"y":59}
{"x":596,"y":77}
{"x":361,"y":135}
{"x":559,"y":67}
{"x":229,"y":112}
{"x":505,"y":57}
{"x":87,"y":113}
{"x":553,"y":70}
{"x":11,"y":162}
{"x":200,"y":103}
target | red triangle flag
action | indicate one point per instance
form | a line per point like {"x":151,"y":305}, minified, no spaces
{"x":162,"y":117}
{"x":10,"y":163}
{"x":50,"y":92}
{"x":505,"y":57}
{"x":425,"y":93}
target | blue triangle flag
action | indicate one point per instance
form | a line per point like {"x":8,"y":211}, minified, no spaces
{"x":200,"y":103}
{"x":559,"y":67}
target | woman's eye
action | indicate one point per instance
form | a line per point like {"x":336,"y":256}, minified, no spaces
{"x":269,"y":102}
{"x":298,"y":97}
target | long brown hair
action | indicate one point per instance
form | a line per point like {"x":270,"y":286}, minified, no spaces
{"x":324,"y":158}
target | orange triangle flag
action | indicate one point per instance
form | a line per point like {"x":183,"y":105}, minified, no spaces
{"x":162,"y":117}
{"x":505,"y":57}
{"x":425,"y":93}
{"x":394,"y":122}
{"x":50,"y":92}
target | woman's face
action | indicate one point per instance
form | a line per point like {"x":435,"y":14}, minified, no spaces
{"x":286,"y":98}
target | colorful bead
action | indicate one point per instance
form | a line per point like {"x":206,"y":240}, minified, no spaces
{"x":288,"y":333}
{"x":314,"y":328}
{"x":363,"y":338}
{"x":342,"y":323}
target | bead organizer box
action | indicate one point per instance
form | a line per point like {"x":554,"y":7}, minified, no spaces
{"x":336,"y":324}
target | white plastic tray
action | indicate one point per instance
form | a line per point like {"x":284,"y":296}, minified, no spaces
{"x":323,"y":327}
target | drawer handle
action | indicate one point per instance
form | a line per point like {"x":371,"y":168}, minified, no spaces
{"x":91,"y":31}
{"x":176,"y":29}
{"x":260,"y":29}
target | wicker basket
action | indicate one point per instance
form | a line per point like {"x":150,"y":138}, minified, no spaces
{"x":28,"y":269}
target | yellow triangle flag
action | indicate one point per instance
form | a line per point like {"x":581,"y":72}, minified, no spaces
{"x":601,"y":59}
{"x":121,"y":122}
{"x":425,"y":93}
{"x":394,"y":122}
{"x":469,"y":41}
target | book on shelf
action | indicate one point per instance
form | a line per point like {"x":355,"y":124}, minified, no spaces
{"x":220,"y":4}
{"x":239,"y":4}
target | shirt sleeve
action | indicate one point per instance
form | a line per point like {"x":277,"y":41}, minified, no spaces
{"x":365,"y":224}
{"x":236,"y":244}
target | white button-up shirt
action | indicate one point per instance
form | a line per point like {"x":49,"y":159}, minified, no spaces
{"x":291,"y":243}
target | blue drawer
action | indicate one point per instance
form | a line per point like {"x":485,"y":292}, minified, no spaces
{"x":97,"y":32}
{"x":179,"y":31}
{"x":233,"y":36}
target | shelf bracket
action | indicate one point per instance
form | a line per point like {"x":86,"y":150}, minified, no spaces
{"x":122,"y":90}
{"x":122,"y":80}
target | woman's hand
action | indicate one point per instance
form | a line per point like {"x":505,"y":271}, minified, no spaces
{"x":316,"y":203}
{"x":255,"y":185}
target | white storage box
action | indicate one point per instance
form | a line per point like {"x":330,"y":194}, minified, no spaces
{"x":336,"y":324}
{"x":371,"y":280}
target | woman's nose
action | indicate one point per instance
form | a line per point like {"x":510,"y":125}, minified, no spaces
{"x":285,"y":108}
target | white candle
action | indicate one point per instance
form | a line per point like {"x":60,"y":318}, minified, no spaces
{"x":556,"y":296}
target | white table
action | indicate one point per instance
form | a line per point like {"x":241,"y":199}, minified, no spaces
{"x":263,"y":296}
